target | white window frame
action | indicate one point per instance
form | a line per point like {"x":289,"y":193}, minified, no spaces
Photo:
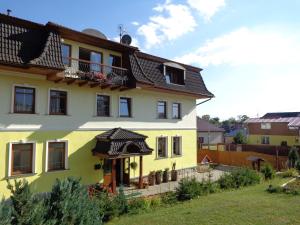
{"x":119,"y":106}
{"x":68,"y":102}
{"x":10,"y":157}
{"x":265,"y":126}
{"x":66,"y":154}
{"x":110,"y":104}
{"x":180,"y":146}
{"x":167,"y":147}
{"x":12,"y":111}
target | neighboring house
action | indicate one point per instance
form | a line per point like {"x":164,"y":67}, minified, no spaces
{"x":229,"y":136}
{"x":274,"y":129}
{"x":76,"y":104}
{"x":209,"y":134}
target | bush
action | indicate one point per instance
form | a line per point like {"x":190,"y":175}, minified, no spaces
{"x":120,"y":202}
{"x":155,"y":202}
{"x":25,"y":207}
{"x":297,"y":165}
{"x":268,"y":172}
{"x":239,"y":178}
{"x":293,"y":156}
{"x":5,"y":213}
{"x":274,"y":189}
{"x":239,"y":138}
{"x":137,"y":205}
{"x":169,"y":198}
{"x":289,"y":173}
{"x":69,"y":203}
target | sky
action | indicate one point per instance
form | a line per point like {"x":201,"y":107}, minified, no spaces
{"x":249,"y":50}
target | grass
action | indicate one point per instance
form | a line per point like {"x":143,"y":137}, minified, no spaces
{"x":251,"y":205}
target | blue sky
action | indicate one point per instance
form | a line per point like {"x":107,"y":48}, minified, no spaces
{"x":249,"y":50}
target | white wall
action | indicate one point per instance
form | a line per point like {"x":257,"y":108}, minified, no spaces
{"x":82,"y":107}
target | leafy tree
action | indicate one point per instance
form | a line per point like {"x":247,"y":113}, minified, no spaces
{"x":293,"y":156}
{"x":239,"y":138}
{"x":215,"y":121}
{"x":206,"y":117}
{"x":26,"y":208}
{"x":5,"y":213}
{"x":242,"y":118}
{"x":69,"y":203}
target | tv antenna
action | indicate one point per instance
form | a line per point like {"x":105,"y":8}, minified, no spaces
{"x":121,"y":31}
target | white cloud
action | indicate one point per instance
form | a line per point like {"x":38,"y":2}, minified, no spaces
{"x":207,"y":8}
{"x":245,"y":46}
{"x":135,"y":23}
{"x":171,"y":22}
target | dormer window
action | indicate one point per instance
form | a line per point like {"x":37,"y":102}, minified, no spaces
{"x":174,"y":73}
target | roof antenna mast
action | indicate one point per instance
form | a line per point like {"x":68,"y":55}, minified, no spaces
{"x":121,"y":31}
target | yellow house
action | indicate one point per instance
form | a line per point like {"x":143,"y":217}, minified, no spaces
{"x":275,"y":129}
{"x":76,"y":104}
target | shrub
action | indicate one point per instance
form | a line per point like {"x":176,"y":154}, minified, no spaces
{"x":5,"y":213}
{"x":297,"y":165}
{"x":293,"y":156}
{"x":274,"y":189}
{"x":289,"y":173}
{"x":239,"y":178}
{"x":169,"y":198}
{"x":25,"y":208}
{"x":120,"y":202}
{"x":107,"y":208}
{"x":136,"y":205}
{"x":239,"y":138}
{"x":268,"y":172}
{"x":69,"y":203}
{"x":155,"y":202}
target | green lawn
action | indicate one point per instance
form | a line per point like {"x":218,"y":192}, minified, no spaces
{"x":252,"y":205}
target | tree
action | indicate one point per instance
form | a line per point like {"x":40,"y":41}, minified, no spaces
{"x":5,"y":213}
{"x":215,"y":121}
{"x":293,"y":156}
{"x":239,"y":138}
{"x":206,"y":117}
{"x":242,"y":118}
{"x":27,"y":209}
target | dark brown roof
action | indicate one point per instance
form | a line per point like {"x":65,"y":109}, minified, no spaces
{"x":151,"y":69}
{"x":205,"y":126}
{"x":28,"y":44}
{"x":118,"y":142}
{"x":278,"y":115}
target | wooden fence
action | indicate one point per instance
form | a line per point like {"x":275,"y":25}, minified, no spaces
{"x":239,"y":158}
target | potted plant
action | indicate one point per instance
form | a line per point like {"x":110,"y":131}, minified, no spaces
{"x":166,"y":175}
{"x":174,"y":173}
{"x":158,"y":176}
{"x":151,"y":178}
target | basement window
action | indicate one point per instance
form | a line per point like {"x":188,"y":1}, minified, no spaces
{"x":174,"y":73}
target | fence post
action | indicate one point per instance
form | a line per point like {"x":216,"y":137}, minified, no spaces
{"x":277,"y":160}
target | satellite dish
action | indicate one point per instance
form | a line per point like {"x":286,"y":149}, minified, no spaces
{"x":126,"y":39}
{"x":94,"y":32}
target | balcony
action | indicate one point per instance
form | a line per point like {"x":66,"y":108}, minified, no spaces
{"x":83,"y":72}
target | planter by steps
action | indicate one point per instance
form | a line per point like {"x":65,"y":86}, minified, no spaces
{"x":166,"y":176}
{"x":158,"y":176}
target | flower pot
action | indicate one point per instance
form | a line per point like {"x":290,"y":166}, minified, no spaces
{"x":151,"y":178}
{"x":166,"y":176}
{"x":158,"y":177}
{"x":174,"y":175}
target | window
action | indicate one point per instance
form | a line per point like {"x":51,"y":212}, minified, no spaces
{"x":174,"y":75}
{"x":125,"y":107}
{"x":58,"y":102}
{"x":57,"y":156}
{"x":90,"y":61}
{"x":21,"y":159}
{"x":265,"y":140}
{"x":66,"y":54}
{"x":162,"y":149}
{"x":114,"y":61}
{"x":161,"y":109}
{"x":176,"y":111}
{"x":265,"y":126}
{"x":103,"y":105}
{"x":176,"y":146}
{"x":24,"y":100}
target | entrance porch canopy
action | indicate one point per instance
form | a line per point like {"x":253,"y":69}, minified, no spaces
{"x":121,"y":143}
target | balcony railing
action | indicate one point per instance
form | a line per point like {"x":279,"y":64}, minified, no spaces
{"x":94,"y":72}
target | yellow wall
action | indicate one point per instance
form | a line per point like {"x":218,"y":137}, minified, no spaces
{"x":80,"y":160}
{"x":274,"y":139}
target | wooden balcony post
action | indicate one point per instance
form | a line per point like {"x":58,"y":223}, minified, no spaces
{"x":113,"y":176}
{"x":141,"y":173}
